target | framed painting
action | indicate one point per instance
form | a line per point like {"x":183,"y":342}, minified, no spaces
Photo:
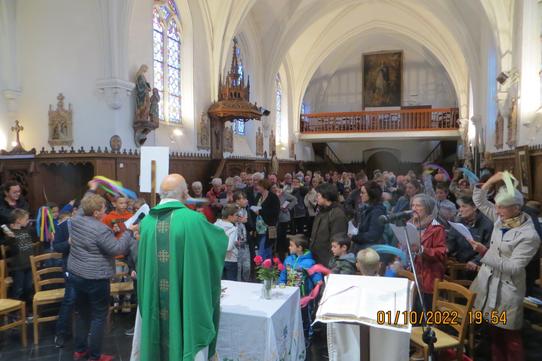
{"x":382,"y":79}
{"x":523,"y":166}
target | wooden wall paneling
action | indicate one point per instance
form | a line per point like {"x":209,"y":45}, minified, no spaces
{"x":127,"y":172}
{"x":106,"y":167}
{"x":536,"y":174}
{"x":62,"y":182}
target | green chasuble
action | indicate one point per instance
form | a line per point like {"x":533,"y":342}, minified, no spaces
{"x":179,"y":267}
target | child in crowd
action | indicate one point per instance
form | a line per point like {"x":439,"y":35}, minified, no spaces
{"x":115,"y":220}
{"x":296,"y":274}
{"x":243,"y":252}
{"x":20,"y":242}
{"x":287,"y":204}
{"x":54,"y":210}
{"x":343,"y":262}
{"x":368,"y":262}
{"x":227,"y":223}
{"x":61,"y":244}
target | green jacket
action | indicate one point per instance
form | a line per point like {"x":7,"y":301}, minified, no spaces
{"x":344,"y":265}
{"x":179,"y":267}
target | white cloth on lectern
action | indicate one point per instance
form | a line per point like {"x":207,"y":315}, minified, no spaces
{"x":136,"y":343}
{"x":343,"y":343}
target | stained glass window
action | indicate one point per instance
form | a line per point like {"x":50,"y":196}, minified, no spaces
{"x":238,"y":124}
{"x":167,"y":60}
{"x":278,"y":106}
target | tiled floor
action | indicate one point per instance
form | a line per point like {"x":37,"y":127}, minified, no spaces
{"x":120,"y":345}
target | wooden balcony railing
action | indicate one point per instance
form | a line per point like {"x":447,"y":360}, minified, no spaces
{"x":381,"y":121}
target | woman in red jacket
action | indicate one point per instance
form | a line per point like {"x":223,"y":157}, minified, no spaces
{"x":430,"y":260}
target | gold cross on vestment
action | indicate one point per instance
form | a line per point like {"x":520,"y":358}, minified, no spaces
{"x":162,"y":226}
{"x":164,"y":285}
{"x":163,"y":256}
{"x":17,"y":129}
{"x":164,"y":314}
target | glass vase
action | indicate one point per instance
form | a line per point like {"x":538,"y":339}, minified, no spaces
{"x":266,"y":289}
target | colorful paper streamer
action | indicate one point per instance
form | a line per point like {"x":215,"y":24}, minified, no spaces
{"x":44,"y":224}
{"x":113,"y":187}
{"x":473,"y":178}
{"x":386,"y":249}
{"x":434,"y":166}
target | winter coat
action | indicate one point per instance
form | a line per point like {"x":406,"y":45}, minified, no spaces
{"x":300,"y":264}
{"x":231,"y":232}
{"x":431,"y":263}
{"x":460,"y":249}
{"x":403,"y":204}
{"x":370,"y":230}
{"x":344,"y":265}
{"x":327,"y":223}
{"x":284,"y":215}
{"x":299,"y":210}
{"x":311,"y":202}
{"x":500,"y":283}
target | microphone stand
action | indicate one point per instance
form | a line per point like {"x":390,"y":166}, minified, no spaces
{"x":428,"y":335}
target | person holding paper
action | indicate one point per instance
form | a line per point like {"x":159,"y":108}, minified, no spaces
{"x":500,"y":283}
{"x":430,"y":260}
{"x":480,"y":229}
{"x":370,"y":230}
{"x":287,"y":203}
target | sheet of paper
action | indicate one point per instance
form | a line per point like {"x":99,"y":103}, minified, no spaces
{"x":285,"y":204}
{"x":352,"y":230}
{"x":462,"y":229}
{"x":144,"y":209}
{"x":413,"y":235}
{"x":255,"y":208}
{"x":148,"y":154}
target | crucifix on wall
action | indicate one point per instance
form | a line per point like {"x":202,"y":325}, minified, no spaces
{"x":18,"y":148}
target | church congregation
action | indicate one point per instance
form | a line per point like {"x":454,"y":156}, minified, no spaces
{"x":271,"y":180}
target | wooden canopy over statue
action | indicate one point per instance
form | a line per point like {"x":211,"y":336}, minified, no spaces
{"x":233,"y":103}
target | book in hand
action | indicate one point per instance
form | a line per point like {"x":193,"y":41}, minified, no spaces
{"x":360,"y":299}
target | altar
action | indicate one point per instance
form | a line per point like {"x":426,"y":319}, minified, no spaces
{"x":252,"y":328}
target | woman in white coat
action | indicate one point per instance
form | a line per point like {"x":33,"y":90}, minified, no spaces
{"x":500,"y":283}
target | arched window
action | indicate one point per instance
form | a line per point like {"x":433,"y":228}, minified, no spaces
{"x":167,"y":59}
{"x":239,"y":124}
{"x":278,"y":107}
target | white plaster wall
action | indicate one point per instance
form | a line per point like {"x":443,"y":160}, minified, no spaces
{"x":337,"y":85}
{"x":406,"y":151}
{"x":59,"y":52}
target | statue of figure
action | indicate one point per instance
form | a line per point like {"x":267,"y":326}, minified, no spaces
{"x":203,"y":132}
{"x":274,"y":163}
{"x":228,"y":139}
{"x":272,"y":143}
{"x":259,"y":142}
{"x":155,"y":108}
{"x":512,"y":124}
{"x":142,"y":94}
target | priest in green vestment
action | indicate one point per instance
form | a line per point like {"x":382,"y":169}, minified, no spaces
{"x":179,"y":268}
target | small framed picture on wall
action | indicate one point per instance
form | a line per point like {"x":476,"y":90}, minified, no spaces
{"x":523,"y":166}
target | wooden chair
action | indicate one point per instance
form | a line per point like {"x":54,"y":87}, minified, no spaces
{"x":8,"y":281}
{"x":8,"y":307}
{"x":44,"y":294}
{"x":441,"y":304}
{"x":119,"y":288}
{"x":454,"y":270}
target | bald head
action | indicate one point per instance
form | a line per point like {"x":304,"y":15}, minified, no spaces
{"x":174,"y":187}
